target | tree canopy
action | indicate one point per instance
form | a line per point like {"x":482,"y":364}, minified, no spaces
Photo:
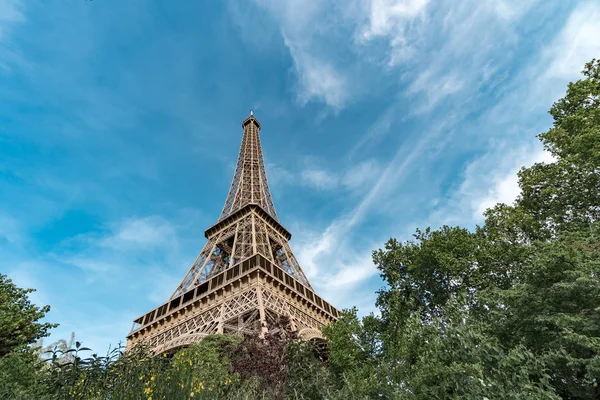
{"x":20,"y":320}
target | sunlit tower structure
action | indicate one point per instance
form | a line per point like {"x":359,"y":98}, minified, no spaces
{"x":245,"y":278}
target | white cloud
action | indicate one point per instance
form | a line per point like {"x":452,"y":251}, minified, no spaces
{"x":276,"y":175}
{"x":435,"y":88}
{"x":147,"y":231}
{"x":504,"y":185}
{"x":492,"y":177}
{"x":333,"y":265}
{"x":443,"y":54}
{"x":338,"y":259}
{"x":361,"y":175}
{"x":387,"y":17}
{"x":320,"y":179}
{"x":439,"y":48}
{"x":354,"y":178}
{"x":510,"y":9}
{"x":318,"y":78}
{"x":576,"y":44}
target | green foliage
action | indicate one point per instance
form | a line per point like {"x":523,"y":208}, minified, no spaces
{"x":552,"y":231}
{"x":19,"y":318}
{"x":455,"y":359}
{"x":509,"y":311}
{"x":423,"y":274}
{"x":555,"y":310}
{"x":21,"y":376}
{"x":307,"y":376}
{"x":355,"y":355}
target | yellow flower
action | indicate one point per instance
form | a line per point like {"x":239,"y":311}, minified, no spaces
{"x":192,"y":394}
{"x":152,"y":378}
{"x":147,"y":391}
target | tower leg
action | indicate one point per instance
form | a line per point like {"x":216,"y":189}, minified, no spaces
{"x":261,"y":313}
{"x":221,"y":321}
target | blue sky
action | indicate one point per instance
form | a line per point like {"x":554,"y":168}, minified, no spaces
{"x":120,"y":126}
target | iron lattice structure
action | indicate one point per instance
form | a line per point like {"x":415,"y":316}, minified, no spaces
{"x":245,"y":277}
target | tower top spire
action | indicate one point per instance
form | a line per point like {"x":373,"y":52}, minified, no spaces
{"x":251,"y":119}
{"x":249,"y":185}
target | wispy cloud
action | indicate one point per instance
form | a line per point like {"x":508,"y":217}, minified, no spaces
{"x":491,"y":177}
{"x":11,"y":14}
{"x":575,"y":45}
{"x":150,"y":231}
{"x":136,"y":262}
{"x":362,"y":174}
{"x":358,"y":176}
{"x":388,"y":18}
{"x":320,"y":179}
{"x":440,"y":48}
{"x":504,"y":184}
{"x":488,"y":180}
{"x":336,"y":268}
{"x":318,"y":78}
{"x":449,"y":56}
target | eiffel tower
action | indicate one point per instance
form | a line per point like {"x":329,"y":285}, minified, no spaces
{"x":245,"y":278}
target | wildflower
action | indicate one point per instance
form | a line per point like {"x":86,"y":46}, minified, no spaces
{"x":147,"y":391}
{"x":192,"y":394}
{"x":152,"y":378}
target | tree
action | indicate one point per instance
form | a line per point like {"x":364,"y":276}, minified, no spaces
{"x":19,"y":318}
{"x":529,"y":277}
{"x":455,"y":358}
{"x":263,"y":359}
{"x":20,"y":366}
{"x":552,"y":233}
{"x":554,"y":310}
{"x":356,"y":357}
{"x":563,"y":195}
{"x":423,"y":274}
